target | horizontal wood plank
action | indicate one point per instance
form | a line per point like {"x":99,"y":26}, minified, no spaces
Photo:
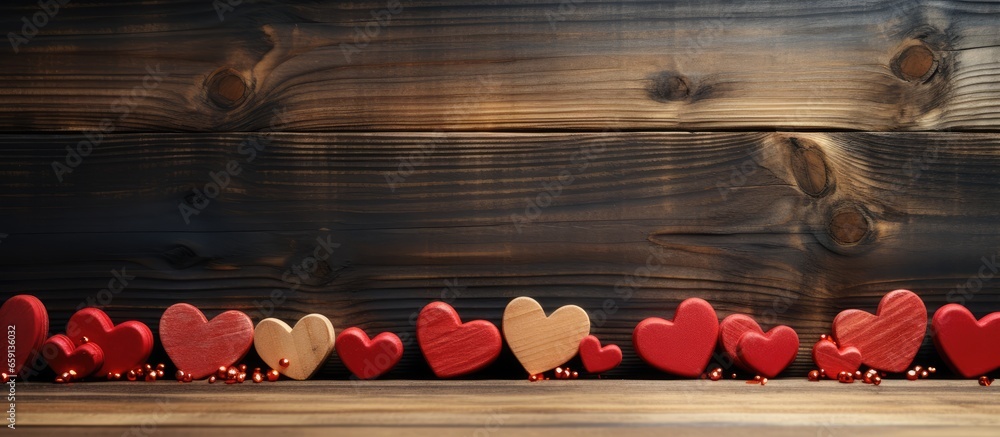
{"x":142,"y":66}
{"x":789,"y":227}
{"x":501,"y":408}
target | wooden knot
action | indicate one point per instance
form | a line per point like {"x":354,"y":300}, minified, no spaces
{"x":915,"y":64}
{"x":849,"y":226}
{"x":226,"y":88}
{"x":669,"y":86}
{"x":808,"y":164}
{"x":182,"y":257}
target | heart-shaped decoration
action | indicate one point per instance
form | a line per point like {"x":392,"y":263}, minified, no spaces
{"x":63,"y":355}
{"x":543,"y":343}
{"x":731,"y":329}
{"x":969,"y":346}
{"x":889,"y":339}
{"x":453,"y":348}
{"x":367,"y":359}
{"x":30,"y":323}
{"x":597,"y":359}
{"x":125,"y":346}
{"x":682,"y":346}
{"x":306,"y":346}
{"x":834,"y":360}
{"x":199,"y":346}
{"x":768,"y":354}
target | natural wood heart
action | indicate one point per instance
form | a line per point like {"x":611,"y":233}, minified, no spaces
{"x":971,"y":347}
{"x":597,"y":359}
{"x":306,"y":346}
{"x":543,"y":343}
{"x":682,"y":346}
{"x":30,"y":322}
{"x":64,"y":356}
{"x":368,"y":358}
{"x":833,"y":360}
{"x":125,"y":346}
{"x":199,"y":346}
{"x":453,"y":348}
{"x":889,"y":339}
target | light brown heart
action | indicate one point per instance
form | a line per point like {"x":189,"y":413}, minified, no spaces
{"x":306,"y":346}
{"x":543,"y":343}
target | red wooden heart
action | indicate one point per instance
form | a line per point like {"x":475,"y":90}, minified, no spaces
{"x":63,"y":355}
{"x":834,"y":360}
{"x":682,"y":346}
{"x":768,"y":353}
{"x":597,"y":359}
{"x":889,"y":339}
{"x":367,"y":359}
{"x":199,"y":346}
{"x":453,"y":348}
{"x":969,"y":346}
{"x":26,"y":317}
{"x":731,"y":329}
{"x":126,"y":346}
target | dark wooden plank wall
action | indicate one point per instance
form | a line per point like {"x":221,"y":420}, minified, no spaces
{"x":571,"y":181}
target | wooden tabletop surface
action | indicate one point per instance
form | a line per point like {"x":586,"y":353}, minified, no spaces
{"x":790,"y":406}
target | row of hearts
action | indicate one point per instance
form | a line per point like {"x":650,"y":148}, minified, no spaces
{"x":887,"y":340}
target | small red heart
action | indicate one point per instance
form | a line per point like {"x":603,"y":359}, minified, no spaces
{"x":682,"y":346}
{"x":969,"y":346}
{"x":453,"y":348}
{"x":126,"y":346}
{"x":25,"y":317}
{"x":597,"y":359}
{"x":63,"y":355}
{"x":731,"y":329}
{"x":834,"y":360}
{"x":768,"y":353}
{"x":889,"y":339}
{"x":367,"y":359}
{"x":199,"y":346}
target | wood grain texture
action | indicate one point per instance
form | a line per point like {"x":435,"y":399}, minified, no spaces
{"x":637,"y":223}
{"x":155,"y":66}
{"x":515,"y":408}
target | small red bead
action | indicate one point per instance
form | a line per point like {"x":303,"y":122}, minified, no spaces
{"x":211,"y":379}
{"x":846,"y":377}
{"x":84,"y":340}
{"x":763,"y":381}
{"x":876,"y":380}
{"x":932,"y":369}
{"x":283,"y":362}
{"x":985,"y":381}
{"x":272,"y":375}
{"x":242,"y":367}
{"x":221,"y":373}
{"x":151,"y":376}
{"x":813,"y":375}
{"x":188,"y":377}
{"x":131,"y":375}
{"x":911,"y":375}
{"x":179,"y":375}
{"x":257,"y":378}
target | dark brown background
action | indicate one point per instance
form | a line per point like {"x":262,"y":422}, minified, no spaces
{"x":778,"y":158}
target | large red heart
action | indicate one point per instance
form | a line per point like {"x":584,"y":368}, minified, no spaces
{"x":63,"y":355}
{"x":367,"y":359}
{"x":768,"y":353}
{"x":597,"y":359}
{"x":126,"y":346}
{"x":834,"y":360}
{"x":682,"y":346}
{"x":25,"y":318}
{"x":889,"y":339}
{"x":453,"y":348}
{"x":731,"y":329}
{"x":969,"y":346}
{"x":199,"y":346}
